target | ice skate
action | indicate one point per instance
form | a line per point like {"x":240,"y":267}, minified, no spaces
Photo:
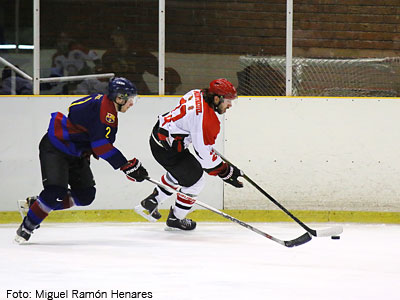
{"x":148,"y":208}
{"x":24,"y":205}
{"x":25,"y":231}
{"x":173,"y":223}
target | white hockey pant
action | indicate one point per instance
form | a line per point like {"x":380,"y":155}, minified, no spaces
{"x":182,"y":204}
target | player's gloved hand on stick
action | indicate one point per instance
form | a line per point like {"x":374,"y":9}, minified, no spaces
{"x":230,"y":175}
{"x":134,"y":170}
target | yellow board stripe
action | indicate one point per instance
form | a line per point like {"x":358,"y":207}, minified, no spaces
{"x":127,"y":215}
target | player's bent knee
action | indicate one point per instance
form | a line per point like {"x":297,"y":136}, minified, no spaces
{"x":196,"y":188}
{"x":52,"y":195}
{"x":83,"y":197}
{"x":190,"y":178}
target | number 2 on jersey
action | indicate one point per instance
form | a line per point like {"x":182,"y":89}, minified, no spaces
{"x":108,"y":130}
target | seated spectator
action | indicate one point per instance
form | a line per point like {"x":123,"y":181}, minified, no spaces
{"x":274,"y":83}
{"x":172,"y":81}
{"x":22,"y":86}
{"x":130,"y":61}
{"x":71,"y":58}
{"x":93,"y":85}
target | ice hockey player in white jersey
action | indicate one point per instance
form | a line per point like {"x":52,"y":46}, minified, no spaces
{"x":193,"y":121}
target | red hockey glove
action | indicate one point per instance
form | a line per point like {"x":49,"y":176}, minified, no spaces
{"x":230,"y":175}
{"x":134,"y":170}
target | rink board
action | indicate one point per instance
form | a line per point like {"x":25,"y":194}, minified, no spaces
{"x":315,"y":155}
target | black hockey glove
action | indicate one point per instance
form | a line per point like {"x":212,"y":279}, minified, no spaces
{"x":134,"y":170}
{"x":230,"y":175}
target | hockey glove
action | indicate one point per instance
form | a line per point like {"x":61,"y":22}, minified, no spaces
{"x":230,"y":175}
{"x":134,"y":170}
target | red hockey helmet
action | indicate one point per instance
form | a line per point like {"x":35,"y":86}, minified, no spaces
{"x":222,"y":87}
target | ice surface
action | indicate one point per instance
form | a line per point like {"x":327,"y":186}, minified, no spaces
{"x":216,"y":261}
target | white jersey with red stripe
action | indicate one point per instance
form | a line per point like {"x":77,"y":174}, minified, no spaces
{"x":194,"y":121}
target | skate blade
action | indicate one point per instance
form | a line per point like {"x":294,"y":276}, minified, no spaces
{"x":144,"y":213}
{"x":167,"y":228}
{"x":19,"y":240}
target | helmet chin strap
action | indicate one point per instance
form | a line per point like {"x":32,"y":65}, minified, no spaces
{"x":119,"y":106}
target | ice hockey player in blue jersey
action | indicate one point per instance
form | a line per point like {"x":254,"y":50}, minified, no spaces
{"x":64,"y":152}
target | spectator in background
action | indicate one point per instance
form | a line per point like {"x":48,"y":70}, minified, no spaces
{"x":22,"y":86}
{"x":71,"y":58}
{"x":100,"y":85}
{"x":274,"y":83}
{"x":129,"y":60}
{"x":172,"y":81}
{"x":93,"y":85}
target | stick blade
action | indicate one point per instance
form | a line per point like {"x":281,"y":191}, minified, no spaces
{"x":299,"y":241}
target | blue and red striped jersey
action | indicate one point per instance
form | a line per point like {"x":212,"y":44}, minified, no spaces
{"x":91,"y":127}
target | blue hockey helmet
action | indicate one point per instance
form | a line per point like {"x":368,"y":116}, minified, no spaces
{"x":122,"y":88}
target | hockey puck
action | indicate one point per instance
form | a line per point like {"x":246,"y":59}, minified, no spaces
{"x":335,"y":237}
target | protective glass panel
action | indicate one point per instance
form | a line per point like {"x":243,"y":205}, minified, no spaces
{"x":85,"y":38}
{"x":97,"y":37}
{"x":346,"y":48}
{"x":16,"y":43}
{"x":206,"y":40}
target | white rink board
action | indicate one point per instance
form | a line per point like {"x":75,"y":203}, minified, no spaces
{"x":316,"y":153}
{"x":308,"y":153}
{"x":25,"y":121}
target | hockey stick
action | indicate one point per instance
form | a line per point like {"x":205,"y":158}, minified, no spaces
{"x":331,"y":231}
{"x":291,"y":243}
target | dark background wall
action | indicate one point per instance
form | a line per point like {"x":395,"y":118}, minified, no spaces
{"x":237,"y":27}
